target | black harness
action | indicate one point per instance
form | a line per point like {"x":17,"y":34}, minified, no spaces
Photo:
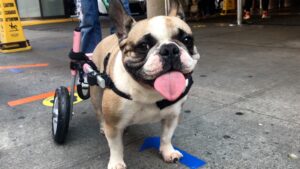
{"x":108,"y":81}
{"x":92,"y":78}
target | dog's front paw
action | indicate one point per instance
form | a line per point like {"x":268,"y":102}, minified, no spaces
{"x":116,"y":165}
{"x":171,"y":156}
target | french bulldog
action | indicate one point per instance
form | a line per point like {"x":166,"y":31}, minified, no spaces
{"x":146,"y":62}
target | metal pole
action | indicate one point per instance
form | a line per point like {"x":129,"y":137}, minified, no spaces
{"x":167,"y":7}
{"x":239,"y":12}
{"x":74,"y":77}
{"x":260,"y":5}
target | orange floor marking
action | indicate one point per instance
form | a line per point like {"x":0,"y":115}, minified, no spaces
{"x":31,"y":98}
{"x":24,"y":66}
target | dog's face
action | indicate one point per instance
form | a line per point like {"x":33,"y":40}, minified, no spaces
{"x":157,"y":52}
{"x":159,"y":45}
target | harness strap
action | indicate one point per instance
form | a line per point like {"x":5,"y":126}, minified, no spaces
{"x":106,"y":62}
{"x":110,"y":84}
{"x":108,"y":81}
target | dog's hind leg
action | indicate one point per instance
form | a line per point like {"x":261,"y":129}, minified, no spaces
{"x":167,"y":150}
{"x":96,"y":97}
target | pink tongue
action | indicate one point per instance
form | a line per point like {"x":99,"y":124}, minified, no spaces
{"x":170,"y":85}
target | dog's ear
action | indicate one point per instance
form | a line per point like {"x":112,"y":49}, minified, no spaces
{"x":121,"y":20}
{"x":176,"y":9}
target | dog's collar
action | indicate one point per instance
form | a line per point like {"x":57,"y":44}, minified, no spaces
{"x":110,"y":84}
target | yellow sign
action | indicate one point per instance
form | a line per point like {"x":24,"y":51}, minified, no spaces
{"x":228,"y":5}
{"x":50,"y":100}
{"x":12,"y":37}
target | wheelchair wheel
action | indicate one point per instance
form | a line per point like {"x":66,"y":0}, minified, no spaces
{"x":60,"y":115}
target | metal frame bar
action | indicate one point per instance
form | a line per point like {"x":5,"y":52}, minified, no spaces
{"x":72,"y":91}
{"x":239,"y":12}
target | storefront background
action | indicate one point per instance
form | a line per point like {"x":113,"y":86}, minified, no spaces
{"x":43,"y":8}
{"x":53,"y":8}
{"x":29,"y":8}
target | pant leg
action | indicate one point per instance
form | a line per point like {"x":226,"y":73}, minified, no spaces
{"x":204,"y":7}
{"x":212,"y":7}
{"x":199,"y":5}
{"x":265,"y":5}
{"x":126,"y":6}
{"x":248,"y":5}
{"x":90,"y":26}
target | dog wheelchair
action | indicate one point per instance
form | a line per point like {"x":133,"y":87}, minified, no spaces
{"x":84,"y":73}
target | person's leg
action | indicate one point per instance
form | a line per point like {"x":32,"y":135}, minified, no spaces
{"x":189,"y":4}
{"x":247,"y":7}
{"x":212,"y":7}
{"x":200,"y":10}
{"x":127,"y":9}
{"x":90,"y":26}
{"x":126,"y":6}
{"x":205,"y":7}
{"x":265,"y":6}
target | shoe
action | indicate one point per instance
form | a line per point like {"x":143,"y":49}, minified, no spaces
{"x":265,"y":15}
{"x":247,"y":15}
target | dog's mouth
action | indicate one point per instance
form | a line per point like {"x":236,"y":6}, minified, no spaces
{"x":170,"y":85}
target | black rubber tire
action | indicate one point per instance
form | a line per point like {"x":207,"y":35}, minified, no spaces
{"x":81,"y":93}
{"x":61,"y":114}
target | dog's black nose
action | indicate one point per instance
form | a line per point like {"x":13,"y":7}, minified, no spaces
{"x":169,"y":50}
{"x":170,"y":53}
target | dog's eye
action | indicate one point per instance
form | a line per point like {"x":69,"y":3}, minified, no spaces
{"x":188,"y":41}
{"x":144,"y":46}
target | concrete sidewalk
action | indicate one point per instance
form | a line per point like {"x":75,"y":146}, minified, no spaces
{"x":243,"y":111}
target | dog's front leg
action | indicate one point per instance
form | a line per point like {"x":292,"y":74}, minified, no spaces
{"x":114,"y":138}
{"x":168,"y":127}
